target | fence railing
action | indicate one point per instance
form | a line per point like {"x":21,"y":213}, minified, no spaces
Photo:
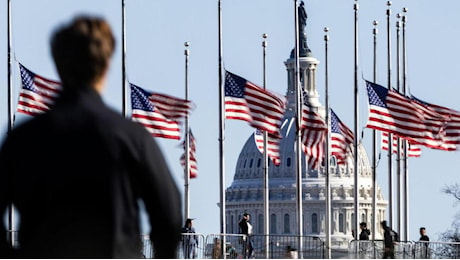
{"x":200,"y":246}
{"x":405,"y":250}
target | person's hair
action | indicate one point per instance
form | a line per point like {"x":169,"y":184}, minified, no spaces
{"x":384,"y":223}
{"x":422,"y":228}
{"x":363,"y":224}
{"x":246,"y":214}
{"x":82,"y":50}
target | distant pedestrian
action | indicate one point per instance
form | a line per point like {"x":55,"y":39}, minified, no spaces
{"x":189,"y":240}
{"x":423,"y":236}
{"x":246,"y":229}
{"x":364,"y":235}
{"x":424,"y":239}
{"x":389,"y":238}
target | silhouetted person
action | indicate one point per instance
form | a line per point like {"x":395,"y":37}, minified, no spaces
{"x":189,"y":240}
{"x":423,"y":236}
{"x":388,"y":241}
{"x":364,"y":235}
{"x":246,"y":229}
{"x":76,"y":173}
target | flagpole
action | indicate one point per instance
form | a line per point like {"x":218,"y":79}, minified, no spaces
{"x":390,"y":136}
{"x":187,"y":143}
{"x":221,"y":129}
{"x":298,"y":137}
{"x":123,"y":59}
{"x":11,"y":215}
{"x":405,"y":144}
{"x":266,"y":177}
{"x":327,"y":151}
{"x":356,"y":129}
{"x":398,"y":140}
{"x":374,"y":147}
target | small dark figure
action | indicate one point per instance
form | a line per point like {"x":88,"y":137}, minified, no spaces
{"x":77,"y":173}
{"x":189,"y":242}
{"x":302,"y":17}
{"x":423,"y":236}
{"x":388,"y":241}
{"x":246,"y":229}
{"x":364,"y":235}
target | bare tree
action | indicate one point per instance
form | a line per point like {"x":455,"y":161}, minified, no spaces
{"x":453,"y":233}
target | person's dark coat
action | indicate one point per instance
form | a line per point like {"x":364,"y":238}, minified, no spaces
{"x":364,"y":235}
{"x":76,"y":175}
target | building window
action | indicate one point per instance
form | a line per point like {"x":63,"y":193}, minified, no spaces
{"x":258,"y":163}
{"x":352,"y":221}
{"x":250,"y":163}
{"x":273,"y":224}
{"x":314,"y":223}
{"x":287,"y":224}
{"x":341,"y":223}
{"x":244,"y":165}
{"x":232,"y":227}
{"x":260,"y":223}
{"x":288,"y":162}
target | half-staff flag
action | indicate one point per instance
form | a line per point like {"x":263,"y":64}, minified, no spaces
{"x":341,"y":138}
{"x":273,"y":146}
{"x":37,"y":93}
{"x":160,"y":114}
{"x":413,"y":150}
{"x":314,"y":130}
{"x":392,"y":112}
{"x":193,"y":170}
{"x":246,"y":101}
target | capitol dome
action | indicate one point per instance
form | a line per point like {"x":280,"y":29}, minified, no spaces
{"x":246,"y":193}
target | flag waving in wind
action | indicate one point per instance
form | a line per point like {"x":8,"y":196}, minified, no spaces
{"x":413,"y":150}
{"x":273,"y":146}
{"x":452,"y":127}
{"x":37,"y":93}
{"x":193,"y":172}
{"x":392,"y":112}
{"x":341,"y":138}
{"x":160,"y":114}
{"x":314,"y":130}
{"x":246,"y":101}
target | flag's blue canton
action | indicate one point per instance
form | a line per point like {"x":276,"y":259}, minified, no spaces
{"x":27,"y":78}
{"x":377,"y":94}
{"x":334,"y":123}
{"x":140,"y":100}
{"x":234,"y":85}
{"x":258,"y":132}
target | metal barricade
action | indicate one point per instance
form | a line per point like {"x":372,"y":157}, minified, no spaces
{"x":279,"y":247}
{"x":191,"y":246}
{"x":365,"y":249}
{"x":235,"y":246}
{"x":436,"y":250}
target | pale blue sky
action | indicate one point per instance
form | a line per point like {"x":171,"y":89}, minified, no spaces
{"x":156,"y":32}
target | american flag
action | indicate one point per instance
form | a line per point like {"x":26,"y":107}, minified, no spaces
{"x":193,"y":172}
{"x":246,"y":101}
{"x":392,"y":112}
{"x":160,"y":114}
{"x":341,"y":138}
{"x":273,"y":146}
{"x":413,"y":150}
{"x":452,"y":127}
{"x":314,"y":131}
{"x":37,"y":93}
